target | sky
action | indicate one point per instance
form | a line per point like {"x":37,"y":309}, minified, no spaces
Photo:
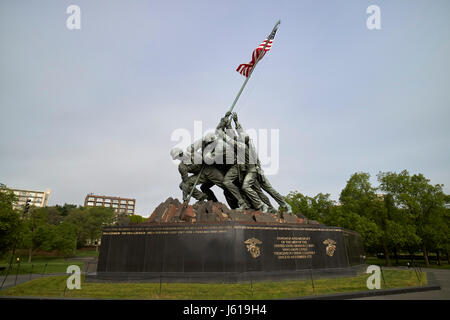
{"x":94,"y":109}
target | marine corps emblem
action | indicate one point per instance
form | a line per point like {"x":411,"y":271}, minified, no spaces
{"x":331,"y":247}
{"x":252,"y":247}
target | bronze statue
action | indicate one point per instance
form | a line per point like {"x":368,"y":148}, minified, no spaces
{"x":228,"y":159}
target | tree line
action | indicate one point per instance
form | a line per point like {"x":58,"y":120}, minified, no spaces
{"x":404,"y":213}
{"x":57,"y":228}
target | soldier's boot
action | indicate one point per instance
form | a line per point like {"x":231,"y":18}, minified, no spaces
{"x":196,"y":194}
{"x":263,"y":197}
{"x":286,"y":207}
{"x":272,"y":210}
{"x":242,"y":205}
{"x":206,"y":189}
{"x":202,"y":198}
{"x":264,"y":208}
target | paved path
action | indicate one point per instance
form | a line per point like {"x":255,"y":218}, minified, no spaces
{"x":441,"y":276}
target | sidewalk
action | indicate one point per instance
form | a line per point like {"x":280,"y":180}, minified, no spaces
{"x":439,"y":276}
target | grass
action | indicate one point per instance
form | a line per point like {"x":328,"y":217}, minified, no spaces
{"x":55,"y":287}
{"x":39,"y":267}
{"x":87,"y":253}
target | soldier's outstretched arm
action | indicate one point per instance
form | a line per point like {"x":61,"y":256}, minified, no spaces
{"x":224,"y":122}
{"x":231,"y":141}
{"x":242,"y":134}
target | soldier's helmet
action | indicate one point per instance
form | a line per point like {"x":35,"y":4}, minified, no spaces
{"x":210,"y":137}
{"x":176,"y":153}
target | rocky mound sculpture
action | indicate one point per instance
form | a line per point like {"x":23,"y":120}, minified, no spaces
{"x":209,"y":211}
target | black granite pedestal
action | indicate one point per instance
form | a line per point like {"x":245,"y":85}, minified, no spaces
{"x":226,"y":252}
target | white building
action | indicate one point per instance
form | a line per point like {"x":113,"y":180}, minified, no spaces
{"x":37,"y":198}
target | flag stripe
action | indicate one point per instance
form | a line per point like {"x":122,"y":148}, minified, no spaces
{"x":246,"y":68}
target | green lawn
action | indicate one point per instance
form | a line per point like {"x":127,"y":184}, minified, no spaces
{"x":39,"y":267}
{"x":43,"y":263}
{"x":55,"y":287}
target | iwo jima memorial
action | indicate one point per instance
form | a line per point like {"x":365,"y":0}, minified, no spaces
{"x":213,"y":242}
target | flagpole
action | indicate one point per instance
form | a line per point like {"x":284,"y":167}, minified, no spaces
{"x":231,"y":109}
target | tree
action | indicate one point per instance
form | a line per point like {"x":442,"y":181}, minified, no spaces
{"x":300,"y":204}
{"x":98,"y":217}
{"x":323,"y":205}
{"x":342,"y":217}
{"x":423,"y":202}
{"x":314,"y":208}
{"x":137,"y":219}
{"x":65,"y":209}
{"x":360,"y":197}
{"x":65,"y":240}
{"x":78,"y":218}
{"x":122,"y":219}
{"x":89,"y":222}
{"x":349,"y":215}
{"x":37,"y":230}
{"x":10,"y":226}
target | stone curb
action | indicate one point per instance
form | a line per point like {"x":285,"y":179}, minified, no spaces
{"x":339,"y":296}
{"x":370,"y":293}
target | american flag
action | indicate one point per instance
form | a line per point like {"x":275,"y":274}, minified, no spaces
{"x":246,"y":68}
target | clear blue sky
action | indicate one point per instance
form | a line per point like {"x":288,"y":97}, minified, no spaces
{"x":92,"y":110}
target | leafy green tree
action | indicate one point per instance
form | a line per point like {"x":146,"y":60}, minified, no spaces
{"x":10,"y":226}
{"x":89,"y":222}
{"x":78,"y":218}
{"x":322,"y":206}
{"x":122,"y":219}
{"x":98,"y":217}
{"x":137,"y":219}
{"x":325,"y":210}
{"x":65,"y":209}
{"x":300,"y":204}
{"x":423,"y":202}
{"x":360,"y":197}
{"x":359,"y":201}
{"x":64,"y":239}
{"x":339,"y":216}
{"x":35,"y":228}
{"x":43,"y":237}
{"x":314,"y":208}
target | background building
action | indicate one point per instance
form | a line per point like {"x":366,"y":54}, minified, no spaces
{"x":37,"y":198}
{"x":120,"y":205}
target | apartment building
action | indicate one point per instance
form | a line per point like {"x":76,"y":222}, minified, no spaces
{"x":36,"y":198}
{"x":120,"y":205}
